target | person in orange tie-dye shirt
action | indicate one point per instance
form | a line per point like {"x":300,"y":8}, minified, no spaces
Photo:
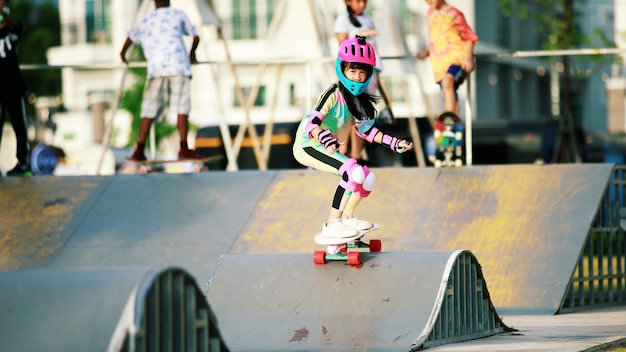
{"x":451,"y":49}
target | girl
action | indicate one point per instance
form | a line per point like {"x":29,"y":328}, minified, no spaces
{"x":349,"y":24}
{"x":316,"y":144}
{"x":355,"y":22}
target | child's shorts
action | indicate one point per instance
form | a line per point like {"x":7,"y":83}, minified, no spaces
{"x":459,"y":75}
{"x":161,"y":90}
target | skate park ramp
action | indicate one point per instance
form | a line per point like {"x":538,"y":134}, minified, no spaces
{"x":391,"y":302}
{"x":106,"y":309}
{"x":526,"y":224}
{"x":93,"y":222}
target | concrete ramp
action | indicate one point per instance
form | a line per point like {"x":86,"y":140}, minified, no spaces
{"x":391,"y":302}
{"x":527,"y":223}
{"x":126,"y":309}
{"x":144,"y":220}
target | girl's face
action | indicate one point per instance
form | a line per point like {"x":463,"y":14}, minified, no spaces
{"x":357,"y":6}
{"x":355,"y":74}
{"x":435,"y":4}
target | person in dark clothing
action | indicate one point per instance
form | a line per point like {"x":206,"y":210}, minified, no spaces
{"x":13,"y":88}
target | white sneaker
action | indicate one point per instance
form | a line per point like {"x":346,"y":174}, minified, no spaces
{"x":337,"y":229}
{"x":357,"y":224}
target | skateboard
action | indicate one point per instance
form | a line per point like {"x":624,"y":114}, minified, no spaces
{"x":174,"y":165}
{"x":355,"y":242}
{"x":448,"y":140}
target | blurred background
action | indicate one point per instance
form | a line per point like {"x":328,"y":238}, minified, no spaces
{"x":542,"y":92}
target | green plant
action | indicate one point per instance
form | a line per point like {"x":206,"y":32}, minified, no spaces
{"x":131,"y":101}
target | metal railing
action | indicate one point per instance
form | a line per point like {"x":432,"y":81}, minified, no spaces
{"x":599,"y":278}
{"x":174,"y":316}
{"x":466,"y":311}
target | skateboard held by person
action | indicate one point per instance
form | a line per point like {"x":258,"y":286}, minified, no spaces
{"x":448,"y":135}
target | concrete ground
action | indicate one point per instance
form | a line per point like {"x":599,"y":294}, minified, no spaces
{"x":583,"y":331}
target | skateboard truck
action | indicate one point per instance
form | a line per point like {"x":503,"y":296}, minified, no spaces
{"x":352,"y":257}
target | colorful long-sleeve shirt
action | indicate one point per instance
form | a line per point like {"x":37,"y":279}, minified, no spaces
{"x":332,"y":109}
{"x":449,"y":34}
{"x":332,"y":105}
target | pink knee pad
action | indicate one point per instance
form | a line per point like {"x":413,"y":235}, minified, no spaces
{"x":356,"y":175}
{"x":368,"y":184}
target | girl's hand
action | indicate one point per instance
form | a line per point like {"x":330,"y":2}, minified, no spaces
{"x":404,"y":146}
{"x":329,"y":141}
{"x":331,"y":149}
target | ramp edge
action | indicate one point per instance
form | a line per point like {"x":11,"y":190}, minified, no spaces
{"x":463,"y":310}
{"x":170,"y":293}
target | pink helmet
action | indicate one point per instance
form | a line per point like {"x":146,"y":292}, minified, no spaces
{"x":357,"y":50}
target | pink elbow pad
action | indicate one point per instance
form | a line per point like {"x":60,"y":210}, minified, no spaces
{"x":315,"y":120}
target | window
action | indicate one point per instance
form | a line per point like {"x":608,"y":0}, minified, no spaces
{"x":71,"y":35}
{"x":98,"y":21}
{"x":407,"y":17}
{"x":251,"y":18}
{"x":270,"y":11}
{"x":244,"y":19}
{"x":260,"y":97}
